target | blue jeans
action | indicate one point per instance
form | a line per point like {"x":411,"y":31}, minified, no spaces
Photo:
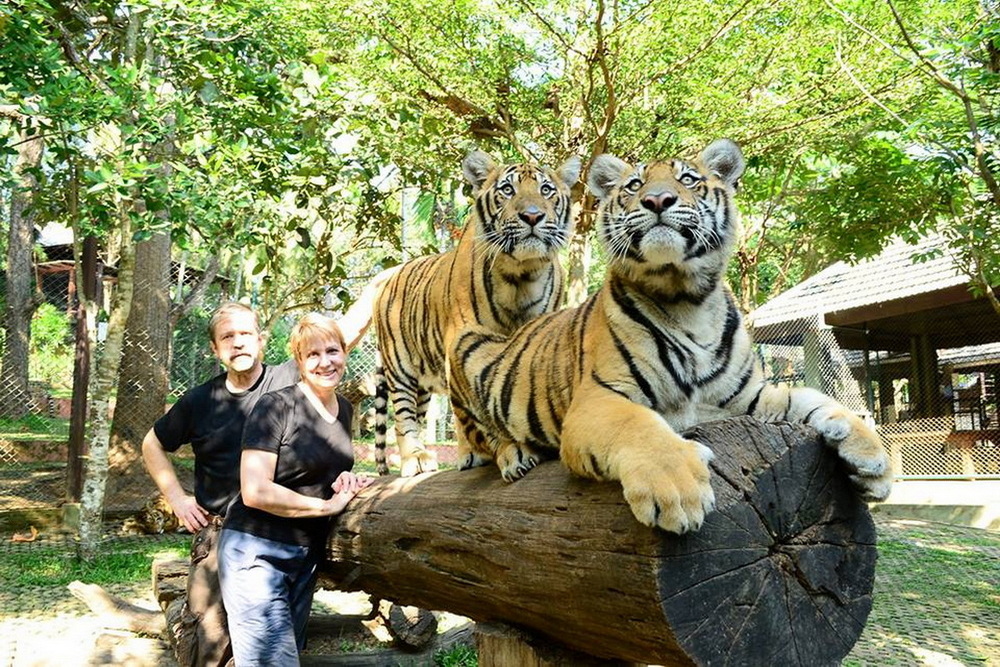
{"x":267,"y":588}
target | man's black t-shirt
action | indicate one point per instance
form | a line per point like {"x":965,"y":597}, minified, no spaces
{"x":311,"y":451}
{"x":211,"y":418}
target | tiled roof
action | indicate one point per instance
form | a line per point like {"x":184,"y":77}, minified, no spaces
{"x":889,"y":276}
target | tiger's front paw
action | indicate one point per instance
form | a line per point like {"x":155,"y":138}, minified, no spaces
{"x":671,"y":491}
{"x":861,"y":449}
{"x":418,"y":462}
{"x":515,"y":460}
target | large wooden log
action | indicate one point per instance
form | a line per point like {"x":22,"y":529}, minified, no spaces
{"x":781,"y":572}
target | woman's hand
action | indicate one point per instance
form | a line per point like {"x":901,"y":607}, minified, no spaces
{"x":345,"y":487}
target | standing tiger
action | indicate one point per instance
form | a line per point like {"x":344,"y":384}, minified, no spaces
{"x":660,"y":347}
{"x":503,"y":272}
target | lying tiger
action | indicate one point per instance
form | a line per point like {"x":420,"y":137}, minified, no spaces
{"x":503,"y":273}
{"x":660,"y":347}
{"x":155,"y":517}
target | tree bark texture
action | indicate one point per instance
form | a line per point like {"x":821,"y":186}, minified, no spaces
{"x":98,"y":434}
{"x":781,"y":572}
{"x":143,"y":378}
{"x":21,"y":301}
{"x":88,"y":276}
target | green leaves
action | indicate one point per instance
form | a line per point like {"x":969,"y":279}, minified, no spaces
{"x":282,"y":134}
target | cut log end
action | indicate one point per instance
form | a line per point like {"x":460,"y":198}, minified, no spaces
{"x":782,"y":572}
{"x":410,"y":627}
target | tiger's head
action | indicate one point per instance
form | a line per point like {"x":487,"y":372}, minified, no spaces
{"x":521,"y":210}
{"x":670,"y":221}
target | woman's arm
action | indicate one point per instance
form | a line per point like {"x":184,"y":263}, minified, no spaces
{"x":260,"y":491}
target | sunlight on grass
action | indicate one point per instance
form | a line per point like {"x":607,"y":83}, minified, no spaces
{"x":34,"y":427}
{"x":50,"y":567}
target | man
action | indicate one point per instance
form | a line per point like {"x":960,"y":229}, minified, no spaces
{"x":210,"y":417}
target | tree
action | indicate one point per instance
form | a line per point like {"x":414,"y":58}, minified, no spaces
{"x":21,"y":298}
{"x":788,"y":80}
{"x":248,"y":175}
{"x":964,"y":68}
{"x":923,"y":161}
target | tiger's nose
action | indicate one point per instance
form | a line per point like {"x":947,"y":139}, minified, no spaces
{"x":658,"y":202}
{"x":532,"y":215}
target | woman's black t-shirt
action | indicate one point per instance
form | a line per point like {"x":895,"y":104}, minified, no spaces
{"x":311,"y":454}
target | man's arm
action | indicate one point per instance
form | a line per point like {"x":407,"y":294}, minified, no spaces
{"x":355,"y":322}
{"x":187,"y":509}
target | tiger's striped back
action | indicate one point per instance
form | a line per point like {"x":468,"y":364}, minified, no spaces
{"x":503,"y":273}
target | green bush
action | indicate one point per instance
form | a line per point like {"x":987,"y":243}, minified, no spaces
{"x":51,"y":351}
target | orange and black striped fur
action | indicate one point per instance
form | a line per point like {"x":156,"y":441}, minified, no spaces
{"x":503,"y":273}
{"x":608,"y":386}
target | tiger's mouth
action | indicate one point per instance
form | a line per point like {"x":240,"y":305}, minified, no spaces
{"x":661,"y":244}
{"x":671,"y":238}
{"x":525,"y":242}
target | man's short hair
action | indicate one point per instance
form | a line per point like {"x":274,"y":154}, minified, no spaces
{"x":224,"y":311}
{"x":313,"y":326}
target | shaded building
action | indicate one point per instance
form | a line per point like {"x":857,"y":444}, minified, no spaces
{"x":901,"y":339}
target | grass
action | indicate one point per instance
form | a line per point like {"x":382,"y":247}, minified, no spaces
{"x":34,"y":427}
{"x":932,"y":571}
{"x":457,"y":656}
{"x":936,"y":598}
{"x":53,"y":566}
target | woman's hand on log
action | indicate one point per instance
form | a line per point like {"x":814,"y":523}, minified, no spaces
{"x":345,"y":487}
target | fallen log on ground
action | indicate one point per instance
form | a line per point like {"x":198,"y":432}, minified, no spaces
{"x":117,"y":613}
{"x":781,"y":572}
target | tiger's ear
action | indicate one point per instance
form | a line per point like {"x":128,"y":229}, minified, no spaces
{"x":725,"y":159}
{"x":605,"y":171}
{"x":569,"y":172}
{"x":476,"y":167}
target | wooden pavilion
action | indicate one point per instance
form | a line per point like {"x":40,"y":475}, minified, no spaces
{"x":905,"y":315}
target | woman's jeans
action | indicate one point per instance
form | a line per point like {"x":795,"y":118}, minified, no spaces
{"x":267,"y":588}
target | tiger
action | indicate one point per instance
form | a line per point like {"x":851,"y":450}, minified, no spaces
{"x":503,"y":272}
{"x":608,"y":386}
{"x":155,"y":517}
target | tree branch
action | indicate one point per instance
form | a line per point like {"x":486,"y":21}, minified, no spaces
{"x":927,"y":67}
{"x":530,"y":8}
{"x":603,"y":129}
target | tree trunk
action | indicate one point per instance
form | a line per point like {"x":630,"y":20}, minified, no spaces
{"x":88,"y":294}
{"x":21,"y":300}
{"x":578,"y":257}
{"x":143,"y":379}
{"x":101,"y":382}
{"x":145,"y":366}
{"x":781,"y":572}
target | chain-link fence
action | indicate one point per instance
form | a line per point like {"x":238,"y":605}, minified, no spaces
{"x":936,"y":407}
{"x":936,"y":413}
{"x":42,"y":445}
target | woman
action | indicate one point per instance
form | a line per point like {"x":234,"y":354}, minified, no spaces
{"x":294,"y":475}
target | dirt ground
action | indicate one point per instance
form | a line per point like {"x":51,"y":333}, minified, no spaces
{"x":936,"y":602}
{"x":67,"y":634}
